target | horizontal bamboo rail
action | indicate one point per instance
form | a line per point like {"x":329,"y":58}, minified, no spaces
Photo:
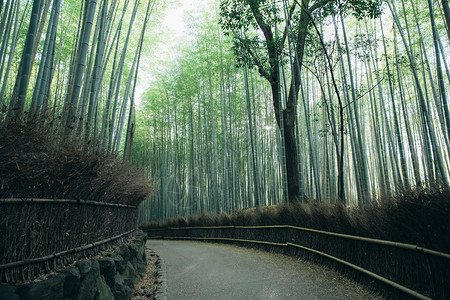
{"x":378,"y":241}
{"x":347,"y":236}
{"x":227,"y":239}
{"x":203,"y":227}
{"x":66,"y":252}
{"x":367,"y":272}
{"x":26,"y":201}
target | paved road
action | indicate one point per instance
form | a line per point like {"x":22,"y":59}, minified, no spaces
{"x":214,"y":271}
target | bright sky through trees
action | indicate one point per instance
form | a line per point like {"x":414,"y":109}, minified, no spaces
{"x":173,"y":32}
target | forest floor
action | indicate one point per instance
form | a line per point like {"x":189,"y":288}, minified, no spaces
{"x":145,"y":288}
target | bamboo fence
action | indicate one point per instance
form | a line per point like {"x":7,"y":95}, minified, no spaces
{"x":40,"y":235}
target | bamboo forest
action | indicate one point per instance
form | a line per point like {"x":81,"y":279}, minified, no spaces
{"x":236,"y":104}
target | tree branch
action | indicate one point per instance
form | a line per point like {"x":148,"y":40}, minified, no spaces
{"x":255,"y":57}
{"x":267,"y":31}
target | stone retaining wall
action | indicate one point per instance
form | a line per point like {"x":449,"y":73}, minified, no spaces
{"x":111,"y":277}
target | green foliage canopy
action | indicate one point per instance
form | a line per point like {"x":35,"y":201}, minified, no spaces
{"x":252,"y":23}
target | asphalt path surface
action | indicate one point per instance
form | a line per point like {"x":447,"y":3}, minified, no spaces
{"x":198,"y":270}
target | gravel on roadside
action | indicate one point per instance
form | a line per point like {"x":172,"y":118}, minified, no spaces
{"x":145,"y":288}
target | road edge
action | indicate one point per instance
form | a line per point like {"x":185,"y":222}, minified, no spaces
{"x":161,"y":281}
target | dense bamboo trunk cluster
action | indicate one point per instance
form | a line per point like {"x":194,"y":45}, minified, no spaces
{"x":370,"y":118}
{"x":55,"y":64}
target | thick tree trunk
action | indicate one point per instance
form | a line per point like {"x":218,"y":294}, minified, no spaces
{"x":289,"y":117}
{"x":291,"y":157}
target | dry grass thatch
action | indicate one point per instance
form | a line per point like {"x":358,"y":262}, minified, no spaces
{"x":35,"y":162}
{"x":419,"y":217}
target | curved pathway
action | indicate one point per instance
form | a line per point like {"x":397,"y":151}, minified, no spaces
{"x":215,"y":271}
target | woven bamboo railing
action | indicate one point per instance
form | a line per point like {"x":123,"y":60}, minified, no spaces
{"x":40,"y":235}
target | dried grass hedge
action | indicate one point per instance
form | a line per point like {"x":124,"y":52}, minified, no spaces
{"x":421,"y":217}
{"x":35,"y":162}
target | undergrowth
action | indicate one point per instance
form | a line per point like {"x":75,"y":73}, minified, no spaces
{"x":419,"y":217}
{"x":37,"y":162}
